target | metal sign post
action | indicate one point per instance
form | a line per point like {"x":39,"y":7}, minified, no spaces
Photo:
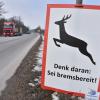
{"x":79,"y":1}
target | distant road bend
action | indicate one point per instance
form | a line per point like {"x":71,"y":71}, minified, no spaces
{"x":12,"y":52}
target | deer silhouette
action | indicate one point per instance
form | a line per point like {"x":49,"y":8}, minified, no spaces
{"x":67,"y":39}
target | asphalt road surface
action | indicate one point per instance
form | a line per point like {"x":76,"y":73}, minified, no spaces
{"x":12,"y":52}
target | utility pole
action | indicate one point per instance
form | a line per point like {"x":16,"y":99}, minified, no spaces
{"x":79,"y":2}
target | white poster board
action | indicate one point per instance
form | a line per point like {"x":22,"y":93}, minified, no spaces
{"x":71,"y":58}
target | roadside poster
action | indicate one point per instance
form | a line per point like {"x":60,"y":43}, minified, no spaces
{"x":71,"y":56}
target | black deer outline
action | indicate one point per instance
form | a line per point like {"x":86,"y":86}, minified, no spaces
{"x":67,"y":39}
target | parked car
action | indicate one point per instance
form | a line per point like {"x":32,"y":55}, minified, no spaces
{"x":28,"y":32}
{"x":18,"y":34}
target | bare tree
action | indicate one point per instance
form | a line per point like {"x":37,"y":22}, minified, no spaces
{"x":1,"y":8}
{"x":2,"y":20}
{"x":19,"y":23}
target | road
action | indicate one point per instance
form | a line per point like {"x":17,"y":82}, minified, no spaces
{"x":12,"y":51}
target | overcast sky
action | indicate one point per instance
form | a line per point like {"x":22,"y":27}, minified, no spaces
{"x":33,"y":12}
